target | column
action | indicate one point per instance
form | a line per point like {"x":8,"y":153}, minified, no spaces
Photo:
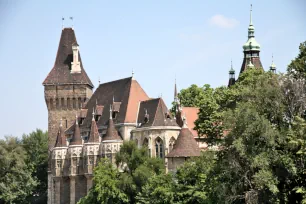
{"x":50,"y":188}
{"x":89,"y":181}
{"x":72,"y":189}
{"x":57,"y":190}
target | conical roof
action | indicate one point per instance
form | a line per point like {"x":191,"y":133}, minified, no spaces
{"x":111,"y":132}
{"x":94,"y":133}
{"x":61,"y":71}
{"x":76,"y":137}
{"x":60,"y":139}
{"x":185,"y":145}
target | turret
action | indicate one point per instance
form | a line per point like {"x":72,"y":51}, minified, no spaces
{"x":251,"y":49}
{"x":273,"y":66}
{"x":111,"y":142}
{"x":59,"y":153}
{"x":75,"y":150}
{"x":232,"y":79}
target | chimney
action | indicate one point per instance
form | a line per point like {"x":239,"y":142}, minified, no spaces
{"x":75,"y":64}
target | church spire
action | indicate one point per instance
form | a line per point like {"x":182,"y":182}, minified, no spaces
{"x":273,"y":66}
{"x":175,"y":91}
{"x":231,"y":75}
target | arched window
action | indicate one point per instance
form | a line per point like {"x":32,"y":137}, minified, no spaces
{"x":159,"y":150}
{"x":91,"y":158}
{"x":145,"y":142}
{"x":171,"y":143}
{"x":74,"y":160}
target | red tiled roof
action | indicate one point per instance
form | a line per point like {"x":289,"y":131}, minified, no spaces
{"x":185,"y":145}
{"x":60,"y":73}
{"x":191,"y":114}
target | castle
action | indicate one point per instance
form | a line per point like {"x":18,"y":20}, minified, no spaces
{"x":84,"y":126}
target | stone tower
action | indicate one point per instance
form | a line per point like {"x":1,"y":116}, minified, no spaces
{"x":67,"y":86}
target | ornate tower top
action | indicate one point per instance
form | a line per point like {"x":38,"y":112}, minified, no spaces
{"x":232,"y":79}
{"x":273,"y":66}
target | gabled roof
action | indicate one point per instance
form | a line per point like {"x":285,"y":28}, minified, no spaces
{"x":60,"y":139}
{"x":111,"y":132}
{"x":157,"y":111}
{"x":76,"y":137}
{"x":185,"y":145}
{"x":94,"y":133}
{"x":60,"y":73}
{"x":126,"y":91}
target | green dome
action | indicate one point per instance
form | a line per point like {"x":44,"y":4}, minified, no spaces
{"x":251,"y":44}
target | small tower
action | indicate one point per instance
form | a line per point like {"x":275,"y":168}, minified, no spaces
{"x":273,"y":66}
{"x":58,"y":163}
{"x":185,"y":147}
{"x":67,"y":85}
{"x":251,"y":49}
{"x":232,"y":79}
{"x":111,"y":142}
{"x":91,"y":151}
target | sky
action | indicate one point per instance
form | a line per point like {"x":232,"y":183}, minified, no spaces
{"x":193,"y":41}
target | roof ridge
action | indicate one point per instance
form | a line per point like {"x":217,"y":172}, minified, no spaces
{"x":115,"y":81}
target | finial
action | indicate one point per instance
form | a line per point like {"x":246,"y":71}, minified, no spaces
{"x":71,"y":18}
{"x":110,"y":112}
{"x":63,"y":22}
{"x":133,"y":73}
{"x":99,"y":80}
{"x":61,"y":120}
{"x":93,"y":114}
{"x":76,"y":119}
{"x":231,"y":64}
{"x":251,"y":23}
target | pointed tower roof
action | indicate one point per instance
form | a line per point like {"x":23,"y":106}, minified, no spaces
{"x":231,"y":75}
{"x":94,"y":133}
{"x":111,"y":132}
{"x":60,"y":139}
{"x":185,"y":145}
{"x":273,"y":66}
{"x":61,"y":71}
{"x":175,"y":91}
{"x":76,"y":137}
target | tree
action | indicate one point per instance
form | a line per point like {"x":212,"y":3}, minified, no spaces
{"x":136,"y":168}
{"x":16,"y":182}
{"x":192,"y":96}
{"x":36,"y":146}
{"x":297,"y":67}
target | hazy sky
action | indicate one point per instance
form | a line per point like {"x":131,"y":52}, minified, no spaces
{"x":194,"y":40}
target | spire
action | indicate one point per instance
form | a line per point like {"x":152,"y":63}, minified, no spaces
{"x":175,"y":91}
{"x":111,"y":132}
{"x":251,"y":23}
{"x":133,"y":74}
{"x":60,"y":139}
{"x":185,"y":145}
{"x":231,"y":75}
{"x":94,"y":133}
{"x":273,"y":66}
{"x":76,"y":137}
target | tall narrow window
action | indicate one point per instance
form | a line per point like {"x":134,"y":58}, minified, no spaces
{"x":68,"y":103}
{"x":79,"y":103}
{"x":74,"y":103}
{"x":63,"y":103}
{"x":159,"y":150}
{"x":59,"y":163}
{"x":171,"y":143}
{"x":74,"y":160}
{"x":57,"y":103}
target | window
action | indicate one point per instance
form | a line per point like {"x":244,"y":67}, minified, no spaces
{"x":68,"y":103}
{"x":159,"y":151}
{"x":57,"y":103}
{"x":63,"y":103}
{"x":145,"y":142}
{"x":171,"y":143}
{"x":59,"y":163}
{"x":91,"y":160}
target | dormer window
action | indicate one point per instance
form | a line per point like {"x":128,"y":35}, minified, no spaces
{"x":75,"y":64}
{"x":146,"y":117}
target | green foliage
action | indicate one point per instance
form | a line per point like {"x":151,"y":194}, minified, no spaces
{"x":297,"y":67}
{"x":192,"y":96}
{"x":16,"y":182}
{"x":36,"y":146}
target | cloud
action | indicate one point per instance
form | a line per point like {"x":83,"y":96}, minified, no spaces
{"x":223,"y":22}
